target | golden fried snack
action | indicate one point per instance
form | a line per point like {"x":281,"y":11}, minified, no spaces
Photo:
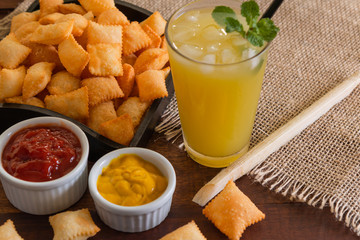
{"x":105,"y":59}
{"x":129,"y":59}
{"x":189,"y":231}
{"x":73,"y":56}
{"x":134,"y":38}
{"x":127,"y":80}
{"x":135,"y":108}
{"x":155,"y":38}
{"x":156,"y":22}
{"x":98,"y":33}
{"x":63,"y":82}
{"x":43,"y":53}
{"x":21,"y":19}
{"x":102,"y":89}
{"x":113,"y":16}
{"x":12,"y":52}
{"x":101,"y":113}
{"x":80,"y":23}
{"x":120,"y":129}
{"x":24,"y":32}
{"x":67,"y":8}
{"x":52,"y":34}
{"x":151,"y":59}
{"x":97,"y":6}
{"x":11,"y":81}
{"x":50,"y":18}
{"x":163,"y":43}
{"x":36,"y":79}
{"x":73,"y":104}
{"x":232,"y":211}
{"x":34,"y":101}
{"x":8,"y":231}
{"x":151,"y":84}
{"x":49,"y":6}
{"x":166,"y":71}
{"x":73,"y":225}
{"x":89,"y":16}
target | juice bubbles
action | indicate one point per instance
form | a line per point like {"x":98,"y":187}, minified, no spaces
{"x":217,"y":78}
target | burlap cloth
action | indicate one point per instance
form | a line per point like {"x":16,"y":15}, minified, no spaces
{"x":316,"y":49}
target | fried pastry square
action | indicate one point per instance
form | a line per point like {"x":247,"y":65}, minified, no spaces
{"x":73,"y":225}
{"x":24,"y":32}
{"x":101,"y":113}
{"x":155,"y":38}
{"x":189,"y":231}
{"x":63,"y":82}
{"x":130,"y":59}
{"x":166,"y":71}
{"x":89,"y":16}
{"x":153,"y":58}
{"x":36,"y":79}
{"x":127,"y":80}
{"x":73,"y":104}
{"x":52,"y":34}
{"x":134,"y":38}
{"x":49,"y":6}
{"x":8,"y":231}
{"x":43,"y":53}
{"x":102,"y":89}
{"x":135,"y":108}
{"x":50,"y":18}
{"x":67,"y":8}
{"x":73,"y":56}
{"x":34,"y":101}
{"x":151,"y":84}
{"x":105,"y":59}
{"x":156,"y":22}
{"x":80,"y":23}
{"x":98,"y":33}
{"x":113,"y":17}
{"x":97,"y":6}
{"x":21,"y":19}
{"x":232,"y":211}
{"x":11,"y":81}
{"x":12,"y":52}
{"x":120,"y":129}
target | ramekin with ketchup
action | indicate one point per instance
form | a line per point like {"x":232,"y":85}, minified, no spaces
{"x":43,"y":166}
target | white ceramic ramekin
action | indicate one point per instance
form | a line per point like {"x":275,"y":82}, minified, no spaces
{"x":137,"y":218}
{"x":41,"y":198}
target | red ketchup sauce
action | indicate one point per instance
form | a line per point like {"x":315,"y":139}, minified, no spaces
{"x":41,"y":153}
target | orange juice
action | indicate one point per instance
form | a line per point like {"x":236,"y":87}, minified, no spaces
{"x":217,"y":78}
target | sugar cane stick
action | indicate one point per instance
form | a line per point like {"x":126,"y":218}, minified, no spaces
{"x":276,"y":140}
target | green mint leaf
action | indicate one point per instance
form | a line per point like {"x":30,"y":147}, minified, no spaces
{"x":220,"y":13}
{"x":267,"y":29}
{"x":250,"y":10}
{"x":254,"y":38}
{"x":233,"y":25}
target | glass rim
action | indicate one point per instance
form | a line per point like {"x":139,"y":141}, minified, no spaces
{"x":169,"y":43}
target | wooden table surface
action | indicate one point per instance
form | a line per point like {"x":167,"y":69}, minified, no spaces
{"x":284,"y":219}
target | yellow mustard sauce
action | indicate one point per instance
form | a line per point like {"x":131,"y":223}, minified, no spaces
{"x":129,"y":180}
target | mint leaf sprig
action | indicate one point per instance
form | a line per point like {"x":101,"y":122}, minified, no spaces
{"x":259,"y":30}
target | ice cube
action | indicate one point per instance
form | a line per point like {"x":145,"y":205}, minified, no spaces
{"x":183,"y":33}
{"x":238,"y":41}
{"x":211,"y":48}
{"x":249,"y":53}
{"x":191,"y":51}
{"x":212,"y":33}
{"x":210,"y":59}
{"x":192,"y":16}
{"x":229,"y":56}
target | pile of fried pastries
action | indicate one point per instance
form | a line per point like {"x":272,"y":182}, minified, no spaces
{"x":88,"y":62}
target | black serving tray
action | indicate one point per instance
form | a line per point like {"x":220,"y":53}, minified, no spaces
{"x":11,"y":113}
